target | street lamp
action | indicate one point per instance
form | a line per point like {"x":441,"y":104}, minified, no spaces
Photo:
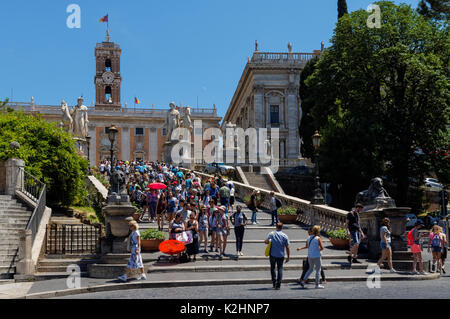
{"x":318,"y":197}
{"x":112,"y":134}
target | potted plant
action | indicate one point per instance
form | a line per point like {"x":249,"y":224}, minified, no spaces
{"x":287,"y":214}
{"x":339,"y":238}
{"x":151,"y":238}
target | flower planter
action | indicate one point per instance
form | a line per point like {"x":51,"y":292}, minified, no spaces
{"x":339,"y":243}
{"x":150,"y":244}
{"x":287,"y":219}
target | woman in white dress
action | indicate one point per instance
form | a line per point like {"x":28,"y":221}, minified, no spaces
{"x":135,"y":261}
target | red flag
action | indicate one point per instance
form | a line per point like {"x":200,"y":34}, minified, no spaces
{"x":136,"y":101}
{"x":104,"y":19}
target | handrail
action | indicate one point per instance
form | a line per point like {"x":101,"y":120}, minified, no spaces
{"x":35,"y":190}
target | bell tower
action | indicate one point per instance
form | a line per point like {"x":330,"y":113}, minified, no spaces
{"x":107,"y":76}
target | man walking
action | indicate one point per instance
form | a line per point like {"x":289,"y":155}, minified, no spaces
{"x":279,"y":242}
{"x":354,"y":232}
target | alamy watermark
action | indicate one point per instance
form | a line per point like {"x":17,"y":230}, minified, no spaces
{"x":374,"y":20}
{"x":74,"y":19}
{"x":74,"y":279}
{"x":374,"y":279}
{"x":253,"y":146}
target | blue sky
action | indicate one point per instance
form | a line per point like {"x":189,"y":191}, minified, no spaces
{"x":171,"y":50}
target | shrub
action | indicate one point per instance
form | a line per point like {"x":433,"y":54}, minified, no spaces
{"x":340,"y":233}
{"x":287,"y":210}
{"x":152,"y":233}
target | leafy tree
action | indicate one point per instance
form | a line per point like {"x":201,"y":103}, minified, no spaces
{"x":435,"y":9}
{"x":49,"y":154}
{"x":380,"y":95}
{"x":342,"y":8}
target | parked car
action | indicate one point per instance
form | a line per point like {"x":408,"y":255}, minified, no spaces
{"x":300,"y":170}
{"x":221,"y":168}
{"x":432,"y":182}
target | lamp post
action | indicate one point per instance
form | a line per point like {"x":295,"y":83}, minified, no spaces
{"x":318,"y":197}
{"x":112,"y":134}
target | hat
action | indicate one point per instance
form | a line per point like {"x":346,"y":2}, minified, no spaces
{"x":223,"y":208}
{"x":359,"y":205}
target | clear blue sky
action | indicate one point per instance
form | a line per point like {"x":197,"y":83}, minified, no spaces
{"x":171,"y":50}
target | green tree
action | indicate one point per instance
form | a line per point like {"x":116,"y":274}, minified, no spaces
{"x":380,"y":94}
{"x":342,"y":8}
{"x":49,"y":154}
{"x":435,"y":9}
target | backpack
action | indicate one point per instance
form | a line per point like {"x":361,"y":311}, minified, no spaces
{"x":410,"y":238}
{"x":436,"y":242}
{"x":278,"y":203}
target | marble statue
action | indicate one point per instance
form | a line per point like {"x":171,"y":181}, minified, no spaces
{"x":79,"y":114}
{"x":173,"y":120}
{"x":374,"y":194}
{"x":118,"y":183}
{"x":290,"y":47}
{"x":186,"y":120}
{"x":66,"y":120}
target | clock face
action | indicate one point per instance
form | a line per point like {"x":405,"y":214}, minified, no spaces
{"x":108,"y":77}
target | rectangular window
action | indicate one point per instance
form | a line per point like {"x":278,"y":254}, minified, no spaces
{"x":164,"y":131}
{"x":274,"y":114}
{"x":106,"y":130}
{"x":139,"y":131}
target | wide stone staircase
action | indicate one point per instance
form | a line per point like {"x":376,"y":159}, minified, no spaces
{"x":256,"y":179}
{"x":13,"y":217}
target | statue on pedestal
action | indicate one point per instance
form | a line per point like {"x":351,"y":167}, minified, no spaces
{"x":186,"y":120}
{"x":66,"y":121}
{"x":173,"y":120}
{"x":375,"y":195}
{"x":79,"y":114}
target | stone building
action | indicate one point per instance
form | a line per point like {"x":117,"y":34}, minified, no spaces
{"x":267,"y":96}
{"x":142,"y":131}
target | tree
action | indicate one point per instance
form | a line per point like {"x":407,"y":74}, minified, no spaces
{"x":342,"y":8}
{"x":381,"y":94}
{"x":435,"y":9}
{"x":49,"y":154}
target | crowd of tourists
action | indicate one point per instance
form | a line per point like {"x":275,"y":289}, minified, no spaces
{"x":205,"y":209}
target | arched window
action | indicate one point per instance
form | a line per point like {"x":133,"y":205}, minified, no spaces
{"x":108,"y":65}
{"x":108,"y":97}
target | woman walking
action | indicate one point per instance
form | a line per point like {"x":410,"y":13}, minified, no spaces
{"x":203,"y":227}
{"x":152,"y":202}
{"x":239,"y":220}
{"x":135,"y":261}
{"x":213,"y":227}
{"x":436,"y":243}
{"x":223,"y":229}
{"x":315,"y":246}
{"x":306,"y":263}
{"x":172,"y":204}
{"x":161,"y":209}
{"x":386,"y":249}
{"x":232,"y":198}
{"x":192,"y":225}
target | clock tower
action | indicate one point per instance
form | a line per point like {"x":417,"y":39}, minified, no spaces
{"x":107,"y":77}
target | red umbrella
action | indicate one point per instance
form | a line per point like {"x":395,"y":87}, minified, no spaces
{"x":157,"y":186}
{"x":171,"y":247}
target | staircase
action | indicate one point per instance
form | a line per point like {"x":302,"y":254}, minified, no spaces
{"x":13,"y":217}
{"x":259,"y":180}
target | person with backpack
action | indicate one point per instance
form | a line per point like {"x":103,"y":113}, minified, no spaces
{"x":436,"y":244}
{"x":414,"y":241}
{"x":223,"y":230}
{"x":253,"y":205}
{"x":315,"y":246}
{"x":354,"y":232}
{"x":275,"y":203}
{"x":386,"y":248}
{"x":279,"y":242}
{"x":239,"y":220}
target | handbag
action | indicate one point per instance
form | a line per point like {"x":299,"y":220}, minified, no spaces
{"x":185,"y":237}
{"x":267,"y":252}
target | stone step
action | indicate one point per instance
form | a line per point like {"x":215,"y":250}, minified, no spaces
{"x":69,"y":256}
{"x":50,"y":269}
{"x":12,"y":204}
{"x":13,"y":210}
{"x":15,"y":215}
{"x":6,"y":197}
{"x":38,"y":276}
{"x":64,"y":262}
{"x":13,"y":222}
{"x":9,"y":241}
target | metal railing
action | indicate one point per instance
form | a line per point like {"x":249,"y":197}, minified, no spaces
{"x":73,"y":239}
{"x":35,"y":190}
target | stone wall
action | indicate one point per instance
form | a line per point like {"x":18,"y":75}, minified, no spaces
{"x":2,"y":178}
{"x":297,"y":186}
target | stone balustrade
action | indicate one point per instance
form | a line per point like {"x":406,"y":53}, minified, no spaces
{"x":328,"y":218}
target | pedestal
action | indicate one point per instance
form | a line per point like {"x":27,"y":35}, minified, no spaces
{"x":185,"y":159}
{"x":81,"y":145}
{"x":371,"y":224}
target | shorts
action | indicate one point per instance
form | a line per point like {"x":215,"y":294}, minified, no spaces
{"x":356,"y":238}
{"x":436,"y":249}
{"x":444,"y":253}
{"x":231,"y":200}
{"x":384,"y":246}
{"x":213,"y":230}
{"x":415,"y":249}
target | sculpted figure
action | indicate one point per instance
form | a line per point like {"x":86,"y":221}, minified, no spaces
{"x":80,"y":116}
{"x":118,"y":182}
{"x":67,"y":121}
{"x":173,"y":120}
{"x":186,"y":121}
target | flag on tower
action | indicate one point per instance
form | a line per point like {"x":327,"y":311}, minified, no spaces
{"x":104,"y":19}
{"x":136,"y":101}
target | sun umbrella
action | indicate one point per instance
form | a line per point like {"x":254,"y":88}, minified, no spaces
{"x":171,"y":247}
{"x":157,"y":186}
